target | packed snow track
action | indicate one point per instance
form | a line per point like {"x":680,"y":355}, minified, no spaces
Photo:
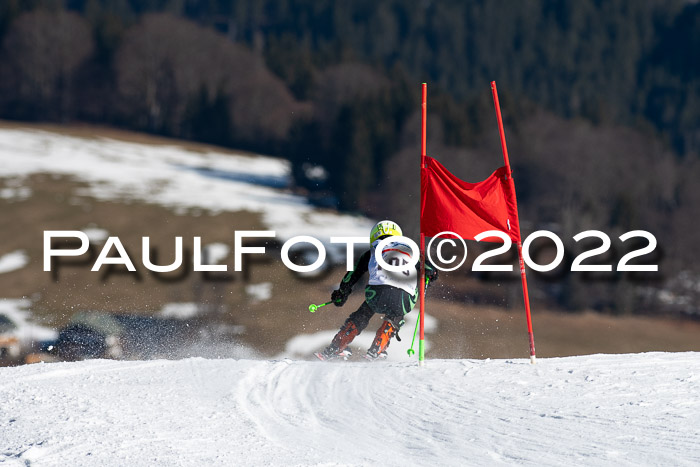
{"x":639,"y":409}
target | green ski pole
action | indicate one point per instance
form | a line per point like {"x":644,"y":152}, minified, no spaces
{"x":313,"y":308}
{"x":410,"y":351}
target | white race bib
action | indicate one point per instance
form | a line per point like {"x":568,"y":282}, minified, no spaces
{"x":395,"y":254}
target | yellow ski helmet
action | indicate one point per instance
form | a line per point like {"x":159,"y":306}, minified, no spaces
{"x":383,"y":229}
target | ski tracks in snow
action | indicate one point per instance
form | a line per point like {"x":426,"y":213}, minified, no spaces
{"x":606,"y":410}
{"x":593,"y":410}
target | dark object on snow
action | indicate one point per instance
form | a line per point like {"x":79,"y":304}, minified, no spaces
{"x":105,"y":335}
{"x":10,"y":347}
{"x":78,"y":341}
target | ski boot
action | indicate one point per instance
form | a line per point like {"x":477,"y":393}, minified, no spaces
{"x":372,"y":357}
{"x":377,"y":350}
{"x":331,"y":354}
{"x":339,"y":345}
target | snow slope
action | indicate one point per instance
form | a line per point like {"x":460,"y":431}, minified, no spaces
{"x":174,"y":177}
{"x":595,"y":410}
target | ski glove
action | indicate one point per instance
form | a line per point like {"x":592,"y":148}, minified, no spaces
{"x":431,"y":273}
{"x":340,"y":296}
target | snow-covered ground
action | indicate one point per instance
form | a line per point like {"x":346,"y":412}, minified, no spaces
{"x":27,"y":331}
{"x":13,"y":261}
{"x":174,"y":177}
{"x":639,"y":409}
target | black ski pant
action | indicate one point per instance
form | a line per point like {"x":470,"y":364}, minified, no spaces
{"x":390,"y":301}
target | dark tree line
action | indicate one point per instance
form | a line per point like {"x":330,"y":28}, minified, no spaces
{"x":601,"y":98}
{"x":260,"y":74}
{"x":619,"y":62}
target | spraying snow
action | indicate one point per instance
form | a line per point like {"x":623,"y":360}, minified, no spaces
{"x":302,"y":345}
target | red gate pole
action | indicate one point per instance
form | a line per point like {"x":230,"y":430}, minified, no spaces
{"x":523,"y":277}
{"x":421,"y":283}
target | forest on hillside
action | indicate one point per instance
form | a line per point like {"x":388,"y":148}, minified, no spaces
{"x":601,"y":101}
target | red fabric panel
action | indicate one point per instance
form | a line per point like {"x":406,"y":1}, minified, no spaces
{"x":450,"y":204}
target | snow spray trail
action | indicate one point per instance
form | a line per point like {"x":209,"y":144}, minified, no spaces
{"x":600,"y":409}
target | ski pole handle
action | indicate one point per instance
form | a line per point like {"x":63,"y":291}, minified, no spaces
{"x":313,"y":308}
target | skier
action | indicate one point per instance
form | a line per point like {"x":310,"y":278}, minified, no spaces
{"x":392,"y":294}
